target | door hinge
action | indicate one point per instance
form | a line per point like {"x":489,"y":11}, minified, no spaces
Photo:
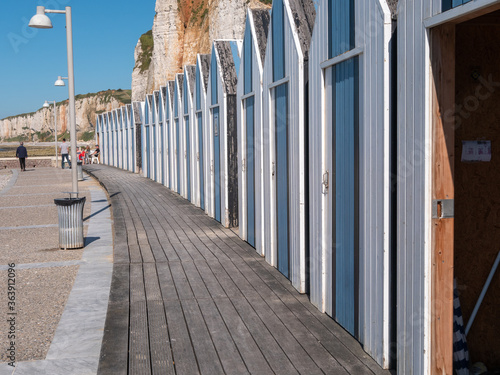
{"x":443,"y":208}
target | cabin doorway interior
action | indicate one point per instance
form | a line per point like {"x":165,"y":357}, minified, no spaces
{"x":465,"y":173}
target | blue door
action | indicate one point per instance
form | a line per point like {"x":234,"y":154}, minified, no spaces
{"x":107,"y":148}
{"x":155,"y":156}
{"x":345,"y":229}
{"x":177,"y":142}
{"x":170,"y":184}
{"x":162,"y":154}
{"x":128,"y":150}
{"x":188,"y":158}
{"x":200,"y":150}
{"x":215,"y":119}
{"x":250,"y":169}
{"x":281,"y":122}
{"x":148,"y":153}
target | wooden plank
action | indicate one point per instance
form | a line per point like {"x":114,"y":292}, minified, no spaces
{"x":182,"y":347}
{"x":151,"y":283}
{"x":162,"y":362}
{"x":166,"y":283}
{"x":139,"y":357}
{"x":207,"y":358}
{"x":197,"y":285}
{"x":113,"y":359}
{"x":443,"y":85}
{"x":274,"y":354}
{"x":300,"y":359}
{"x":247,"y":347}
{"x":225,"y":281}
{"x":226,"y":348}
{"x":181,"y":282}
{"x":211,"y":282}
{"x":137,"y":292}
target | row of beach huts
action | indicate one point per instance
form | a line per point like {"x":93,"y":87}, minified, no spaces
{"x":322,"y":137}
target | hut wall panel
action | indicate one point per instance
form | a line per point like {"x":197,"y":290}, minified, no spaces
{"x":258,"y":150}
{"x":374,"y":174}
{"x":294,"y":70}
{"x":210,"y":181}
{"x":413,"y":197}
{"x":170,"y":136}
{"x":204,"y":160}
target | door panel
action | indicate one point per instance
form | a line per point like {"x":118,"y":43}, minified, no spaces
{"x":250,"y":170}
{"x":200,"y":150}
{"x":215,"y":121}
{"x":281,"y":124}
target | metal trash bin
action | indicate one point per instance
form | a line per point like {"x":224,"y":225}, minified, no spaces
{"x":70,"y":212}
{"x":79,"y":170}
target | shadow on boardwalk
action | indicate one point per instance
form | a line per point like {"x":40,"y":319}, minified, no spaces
{"x":188,"y":296}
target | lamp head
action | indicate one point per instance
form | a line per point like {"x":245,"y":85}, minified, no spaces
{"x":40,"y":20}
{"x":59,"y":82}
{"x":46,"y":104}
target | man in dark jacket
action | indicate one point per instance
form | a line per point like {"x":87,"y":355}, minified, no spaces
{"x":22,"y":154}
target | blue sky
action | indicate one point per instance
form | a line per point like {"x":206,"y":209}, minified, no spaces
{"x":104,"y":37}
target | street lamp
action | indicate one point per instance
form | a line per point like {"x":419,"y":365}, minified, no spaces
{"x":41,"y":21}
{"x":47,"y":105}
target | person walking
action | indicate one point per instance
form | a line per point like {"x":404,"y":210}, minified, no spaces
{"x":22,"y":154}
{"x":64,"y":153}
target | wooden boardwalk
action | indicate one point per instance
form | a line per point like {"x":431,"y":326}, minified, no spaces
{"x":190,"y":297}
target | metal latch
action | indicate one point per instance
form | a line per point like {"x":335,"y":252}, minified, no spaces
{"x":243,"y":167}
{"x":326,"y":182}
{"x":443,"y":208}
{"x":272,"y":169}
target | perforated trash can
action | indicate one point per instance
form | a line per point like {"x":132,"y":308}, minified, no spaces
{"x":79,"y":170}
{"x":70,"y":212}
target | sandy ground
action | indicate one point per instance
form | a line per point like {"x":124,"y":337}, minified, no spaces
{"x":41,"y":290}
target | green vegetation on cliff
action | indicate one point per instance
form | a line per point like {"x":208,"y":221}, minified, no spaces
{"x":144,"y":58}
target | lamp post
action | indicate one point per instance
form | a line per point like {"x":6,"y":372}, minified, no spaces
{"x":47,"y":105}
{"x":41,"y":21}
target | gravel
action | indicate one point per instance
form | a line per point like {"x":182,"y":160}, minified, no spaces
{"x":41,"y":295}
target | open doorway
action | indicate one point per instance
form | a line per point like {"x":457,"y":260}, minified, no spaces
{"x":466,"y":185}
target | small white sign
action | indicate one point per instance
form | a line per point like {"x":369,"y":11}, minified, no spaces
{"x":476,"y":150}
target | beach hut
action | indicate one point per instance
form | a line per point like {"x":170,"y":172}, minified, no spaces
{"x":171,"y":182}
{"x":448,"y":176}
{"x":119,"y":138}
{"x":99,"y":128}
{"x":107,"y":138}
{"x":147,"y":156}
{"x":137,"y":118}
{"x":349,"y":174}
{"x":250,"y":126}
{"x":202,"y":166}
{"x":285,"y":138}
{"x":188,"y":140}
{"x":157,"y":137}
{"x":178,"y":135}
{"x":128,"y":138}
{"x":221,"y":102}
{"x":162,"y":118}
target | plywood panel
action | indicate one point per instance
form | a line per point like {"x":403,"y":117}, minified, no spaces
{"x":477,"y":188}
{"x":443,"y":65}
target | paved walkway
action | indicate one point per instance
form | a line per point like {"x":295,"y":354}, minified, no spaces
{"x":29,"y":237}
{"x":188,"y":297}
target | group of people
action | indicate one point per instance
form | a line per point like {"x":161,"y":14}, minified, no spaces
{"x":84,"y":155}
